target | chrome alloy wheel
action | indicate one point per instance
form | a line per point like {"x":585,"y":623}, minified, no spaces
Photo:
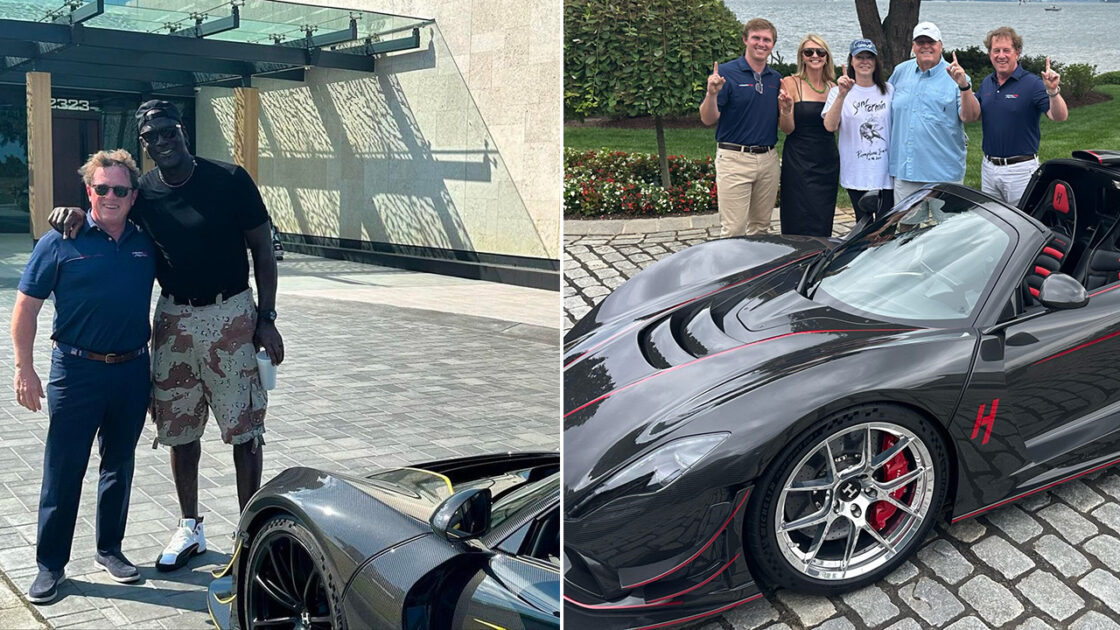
{"x":854,"y":500}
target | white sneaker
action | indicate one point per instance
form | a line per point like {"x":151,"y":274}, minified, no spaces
{"x":188,"y":541}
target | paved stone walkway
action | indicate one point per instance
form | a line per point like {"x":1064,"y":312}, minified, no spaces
{"x":366,"y":383}
{"x":1051,"y":560}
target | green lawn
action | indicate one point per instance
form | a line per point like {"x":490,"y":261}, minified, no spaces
{"x":1092,"y":127}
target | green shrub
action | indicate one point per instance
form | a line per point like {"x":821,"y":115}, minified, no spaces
{"x":1077,"y":79}
{"x":1108,"y":78}
{"x":604,"y":182}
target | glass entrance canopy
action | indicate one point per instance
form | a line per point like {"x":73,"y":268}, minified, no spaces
{"x":170,"y":47}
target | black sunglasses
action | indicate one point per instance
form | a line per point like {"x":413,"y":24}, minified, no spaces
{"x":819,"y":52}
{"x":120,"y":191}
{"x":167,"y":133}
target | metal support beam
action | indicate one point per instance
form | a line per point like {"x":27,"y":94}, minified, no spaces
{"x":162,"y":61}
{"x":129,"y":42}
{"x":393,"y":45}
{"x":342,"y":61}
{"x":40,"y":153}
{"x":213,"y":27}
{"x":60,"y":68}
{"x":79,"y":14}
{"x":326,"y":39}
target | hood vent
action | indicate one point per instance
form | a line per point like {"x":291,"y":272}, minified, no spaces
{"x":685,"y":335}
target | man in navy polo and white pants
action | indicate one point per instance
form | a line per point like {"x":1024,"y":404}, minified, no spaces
{"x":100,"y":378}
{"x":742,"y":97}
{"x":1011,"y":102}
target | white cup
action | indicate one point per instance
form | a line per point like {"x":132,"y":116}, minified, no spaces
{"x":267,"y":370}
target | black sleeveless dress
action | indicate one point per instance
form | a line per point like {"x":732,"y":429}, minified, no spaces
{"x":810,"y":173}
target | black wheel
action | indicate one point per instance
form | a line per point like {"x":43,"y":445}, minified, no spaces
{"x":288,"y":582}
{"x":844,"y":505}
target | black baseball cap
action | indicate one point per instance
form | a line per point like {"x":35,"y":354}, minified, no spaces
{"x":153,"y":110}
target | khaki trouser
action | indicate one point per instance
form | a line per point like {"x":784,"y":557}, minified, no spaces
{"x":747,"y":186}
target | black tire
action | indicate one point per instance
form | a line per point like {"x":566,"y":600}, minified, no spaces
{"x":773,"y":554}
{"x":287,"y":576}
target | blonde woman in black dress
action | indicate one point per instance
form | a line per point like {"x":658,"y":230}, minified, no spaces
{"x":810,"y":161}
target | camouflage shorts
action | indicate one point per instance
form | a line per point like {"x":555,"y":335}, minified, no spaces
{"x":204,"y":357}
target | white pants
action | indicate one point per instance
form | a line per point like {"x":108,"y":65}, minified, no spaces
{"x":1006,"y":182}
{"x":903,"y":188}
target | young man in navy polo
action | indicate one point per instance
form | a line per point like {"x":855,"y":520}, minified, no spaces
{"x":100,"y":378}
{"x":1011,"y":102}
{"x":742,"y":97}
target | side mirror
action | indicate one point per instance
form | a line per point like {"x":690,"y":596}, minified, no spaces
{"x":463,"y":515}
{"x":1061,"y":292}
{"x":869,"y":203}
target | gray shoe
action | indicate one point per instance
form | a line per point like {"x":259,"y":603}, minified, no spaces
{"x":117,"y":566}
{"x":45,"y":586}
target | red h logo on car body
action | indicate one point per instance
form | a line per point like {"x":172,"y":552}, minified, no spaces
{"x":987,"y":421}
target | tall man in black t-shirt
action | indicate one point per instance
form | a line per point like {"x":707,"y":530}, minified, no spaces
{"x":201,"y":213}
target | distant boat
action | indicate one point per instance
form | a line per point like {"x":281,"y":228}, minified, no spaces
{"x":1053,"y":8}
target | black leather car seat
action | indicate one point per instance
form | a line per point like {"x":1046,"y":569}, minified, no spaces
{"x":1049,"y":261}
{"x":1057,"y":210}
{"x":1100,"y":266}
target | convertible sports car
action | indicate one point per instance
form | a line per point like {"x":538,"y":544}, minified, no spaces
{"x":772,"y":411}
{"x":463,"y":543}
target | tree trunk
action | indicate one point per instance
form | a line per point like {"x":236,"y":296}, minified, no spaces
{"x":662,"y":156}
{"x":893,"y":35}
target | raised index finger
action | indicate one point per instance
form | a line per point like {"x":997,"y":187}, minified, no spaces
{"x":715,"y":67}
{"x":1048,"y":63}
{"x":844,"y":70}
{"x":954,"y":56}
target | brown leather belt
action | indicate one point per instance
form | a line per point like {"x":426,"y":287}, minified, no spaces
{"x":112,"y":357}
{"x":731,"y":146}
{"x":1015,"y":159}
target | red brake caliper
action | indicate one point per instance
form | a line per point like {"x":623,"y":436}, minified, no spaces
{"x":882,"y":511}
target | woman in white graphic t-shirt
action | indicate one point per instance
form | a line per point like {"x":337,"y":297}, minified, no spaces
{"x":860,"y":107}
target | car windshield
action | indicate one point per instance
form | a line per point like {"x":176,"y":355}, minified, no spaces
{"x":514,"y":500}
{"x":931,"y":262}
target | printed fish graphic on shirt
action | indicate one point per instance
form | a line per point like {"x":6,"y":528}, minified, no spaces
{"x":869,"y":131}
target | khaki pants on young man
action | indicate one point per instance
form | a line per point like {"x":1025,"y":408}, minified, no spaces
{"x":747,"y":187}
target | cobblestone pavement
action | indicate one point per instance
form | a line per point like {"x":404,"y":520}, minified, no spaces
{"x":363,"y":386}
{"x":1051,"y":560}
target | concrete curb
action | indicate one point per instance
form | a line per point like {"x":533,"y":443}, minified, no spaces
{"x":614,"y":227}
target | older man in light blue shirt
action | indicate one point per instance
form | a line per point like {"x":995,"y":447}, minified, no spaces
{"x":932,"y":101}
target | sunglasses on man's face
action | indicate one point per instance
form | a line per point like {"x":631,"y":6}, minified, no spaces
{"x":167,"y":133}
{"x":120,"y":191}
{"x":819,"y":52}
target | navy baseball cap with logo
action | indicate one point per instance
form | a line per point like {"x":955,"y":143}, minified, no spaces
{"x":153,"y":110}
{"x":863,"y":45}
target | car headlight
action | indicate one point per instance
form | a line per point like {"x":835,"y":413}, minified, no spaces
{"x":652,"y":472}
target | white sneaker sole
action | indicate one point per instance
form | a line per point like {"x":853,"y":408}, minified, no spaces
{"x":127,"y":580}
{"x":183,"y":558}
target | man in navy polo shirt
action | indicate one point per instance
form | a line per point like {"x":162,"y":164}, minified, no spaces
{"x":1011,"y":102}
{"x":100,"y":377}
{"x":742,"y":97}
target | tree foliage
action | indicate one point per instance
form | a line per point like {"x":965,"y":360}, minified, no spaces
{"x":643,"y":57}
{"x":893,"y":35}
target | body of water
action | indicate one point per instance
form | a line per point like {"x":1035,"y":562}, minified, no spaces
{"x":1082,"y":32}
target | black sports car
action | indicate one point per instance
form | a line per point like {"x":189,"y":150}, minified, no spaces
{"x":461,"y":543}
{"x":772,"y":411}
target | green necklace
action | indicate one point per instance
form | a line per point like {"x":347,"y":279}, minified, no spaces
{"x":810,"y":84}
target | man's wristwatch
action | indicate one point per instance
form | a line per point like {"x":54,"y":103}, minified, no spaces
{"x":266,"y":316}
{"x":966,"y":87}
{"x":1057,"y":91}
